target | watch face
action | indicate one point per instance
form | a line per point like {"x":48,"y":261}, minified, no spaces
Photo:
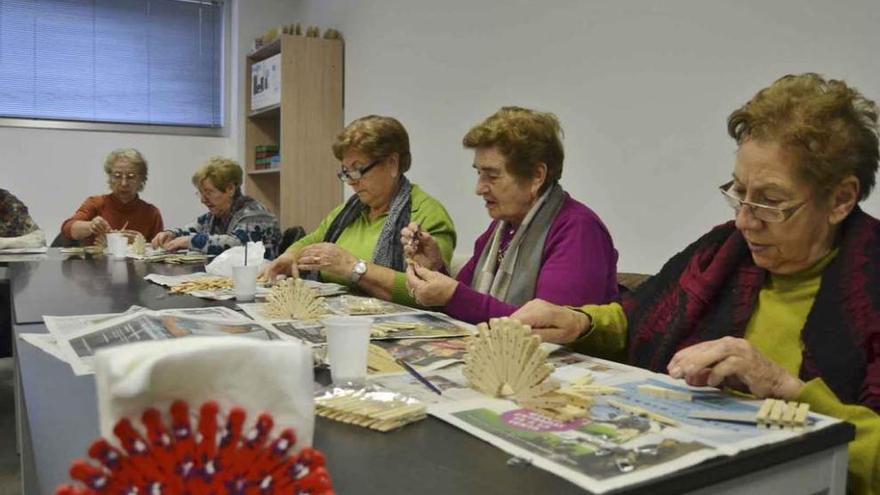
{"x":360,"y":267}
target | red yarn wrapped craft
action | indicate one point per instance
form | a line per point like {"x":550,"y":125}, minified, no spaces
{"x":210,"y":461}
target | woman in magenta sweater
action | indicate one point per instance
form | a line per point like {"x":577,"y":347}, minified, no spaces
{"x":541,"y":242}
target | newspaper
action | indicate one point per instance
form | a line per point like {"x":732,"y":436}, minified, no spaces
{"x":9,"y":255}
{"x":78,"y":337}
{"x":426,"y":326}
{"x":611,"y":448}
{"x":25,"y":250}
{"x":423,"y":354}
{"x":450,"y":381}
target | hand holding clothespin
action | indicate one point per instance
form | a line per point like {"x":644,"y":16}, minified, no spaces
{"x":420,"y":247}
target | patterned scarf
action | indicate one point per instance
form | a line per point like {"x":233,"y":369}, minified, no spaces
{"x":710,"y":290}
{"x":513,"y":278}
{"x":388,"y":251}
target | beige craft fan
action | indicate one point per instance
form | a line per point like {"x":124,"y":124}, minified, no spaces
{"x":293,"y":299}
{"x":505,"y":360}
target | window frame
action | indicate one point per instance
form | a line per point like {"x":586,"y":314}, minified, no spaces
{"x":180,"y":130}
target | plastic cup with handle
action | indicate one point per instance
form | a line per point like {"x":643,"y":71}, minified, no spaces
{"x":348,"y":342}
{"x":117,"y":245}
{"x":244,"y":281}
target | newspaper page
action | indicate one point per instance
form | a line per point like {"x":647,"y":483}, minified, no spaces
{"x":79,"y":345}
{"x":25,"y":250}
{"x":415,"y":325}
{"x":46,"y":342}
{"x":10,"y":255}
{"x":450,"y":381}
{"x":613,"y":448}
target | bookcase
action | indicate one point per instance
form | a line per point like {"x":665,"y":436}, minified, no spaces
{"x":303,"y":188}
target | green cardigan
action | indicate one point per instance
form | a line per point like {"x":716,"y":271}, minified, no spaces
{"x":360,"y":237}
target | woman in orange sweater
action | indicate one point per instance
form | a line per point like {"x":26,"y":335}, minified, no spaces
{"x":121,"y":209}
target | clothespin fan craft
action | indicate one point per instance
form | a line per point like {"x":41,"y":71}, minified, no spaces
{"x":292,"y":298}
{"x":505,"y":360}
{"x":214,"y":457}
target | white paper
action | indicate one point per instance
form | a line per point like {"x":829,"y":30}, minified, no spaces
{"x":25,"y":250}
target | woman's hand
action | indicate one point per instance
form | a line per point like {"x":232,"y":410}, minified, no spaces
{"x":429,"y":288}
{"x":421,"y":247}
{"x":161,"y":238}
{"x":96,"y":226}
{"x":553,"y":323}
{"x":176,"y":243}
{"x":736,"y":363}
{"x":326,"y":257}
{"x":283,"y":266}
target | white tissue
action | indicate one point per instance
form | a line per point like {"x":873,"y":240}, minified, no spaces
{"x":274,"y":377}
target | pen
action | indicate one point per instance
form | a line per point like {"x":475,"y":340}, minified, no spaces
{"x":412,"y":371}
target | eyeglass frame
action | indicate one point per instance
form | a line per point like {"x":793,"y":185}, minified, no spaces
{"x":130,"y":176}
{"x":358,"y":173}
{"x":737,"y":203}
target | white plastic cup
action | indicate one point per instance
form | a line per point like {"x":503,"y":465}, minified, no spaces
{"x":348,"y":342}
{"x":244,"y":280}
{"x":117,"y":245}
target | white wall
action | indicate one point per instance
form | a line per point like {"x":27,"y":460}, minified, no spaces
{"x":642,"y":89}
{"x":53,"y":171}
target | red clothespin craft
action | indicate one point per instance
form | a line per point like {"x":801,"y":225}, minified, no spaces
{"x":173,"y":457}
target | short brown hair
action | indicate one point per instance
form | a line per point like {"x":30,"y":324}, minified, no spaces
{"x":831,"y":128}
{"x":377,"y":137}
{"x":222,"y":172}
{"x":131,"y":156}
{"x":525,"y":138}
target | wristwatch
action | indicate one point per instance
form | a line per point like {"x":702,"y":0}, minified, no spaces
{"x":357,"y":271}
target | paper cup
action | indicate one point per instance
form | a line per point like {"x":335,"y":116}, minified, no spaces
{"x":117,"y":245}
{"x":348,"y":341}
{"x":244,"y":280}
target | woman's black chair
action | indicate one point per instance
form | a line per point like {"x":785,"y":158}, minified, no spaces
{"x":290,"y":236}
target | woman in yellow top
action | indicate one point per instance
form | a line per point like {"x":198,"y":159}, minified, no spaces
{"x":358,"y":243}
{"x":783,"y":302}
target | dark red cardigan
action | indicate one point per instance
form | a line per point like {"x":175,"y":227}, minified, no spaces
{"x":710,"y":289}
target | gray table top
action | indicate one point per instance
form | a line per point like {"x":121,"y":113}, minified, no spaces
{"x":59,"y":286}
{"x":426,"y":457}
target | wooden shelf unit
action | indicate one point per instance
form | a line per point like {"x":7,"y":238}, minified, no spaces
{"x":304,"y":189}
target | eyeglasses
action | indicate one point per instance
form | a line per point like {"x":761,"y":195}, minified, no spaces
{"x":118,"y":176}
{"x":357,"y":173}
{"x":207,"y":193}
{"x":770,"y":214}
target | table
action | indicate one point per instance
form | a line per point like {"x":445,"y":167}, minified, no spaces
{"x":59,"y":421}
{"x":61,"y":286}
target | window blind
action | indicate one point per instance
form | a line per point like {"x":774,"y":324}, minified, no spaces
{"x":118,"y":61}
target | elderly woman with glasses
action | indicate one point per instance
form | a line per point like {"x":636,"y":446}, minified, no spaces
{"x":232,"y":219}
{"x":358,"y":242}
{"x":541,"y":242}
{"x":126,"y":172}
{"x":784,"y":301}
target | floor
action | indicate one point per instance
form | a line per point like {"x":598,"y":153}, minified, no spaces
{"x":10,"y":481}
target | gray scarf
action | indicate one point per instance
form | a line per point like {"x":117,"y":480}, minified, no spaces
{"x":388,"y":251}
{"x":513,"y":279}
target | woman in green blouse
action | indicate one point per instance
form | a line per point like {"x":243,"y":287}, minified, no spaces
{"x":358,"y":243}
